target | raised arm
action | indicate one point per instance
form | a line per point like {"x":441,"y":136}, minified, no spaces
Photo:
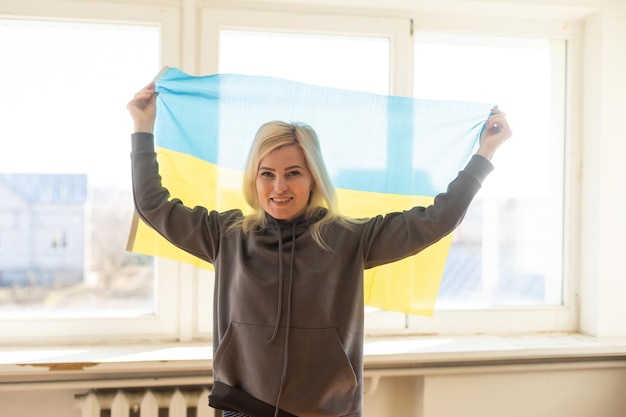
{"x":195,"y":230}
{"x":397,"y":235}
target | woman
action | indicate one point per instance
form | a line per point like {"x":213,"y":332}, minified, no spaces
{"x":288,"y":319}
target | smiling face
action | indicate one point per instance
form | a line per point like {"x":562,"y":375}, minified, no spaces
{"x":284,"y":183}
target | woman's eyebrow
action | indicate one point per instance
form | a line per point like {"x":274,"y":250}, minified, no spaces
{"x":294,"y":167}
{"x":286,"y":168}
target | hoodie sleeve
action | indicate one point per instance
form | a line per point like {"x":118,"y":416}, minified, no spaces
{"x":195,"y":230}
{"x":397,"y":235}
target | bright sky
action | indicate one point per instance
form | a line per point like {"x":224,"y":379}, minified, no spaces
{"x":64,"y":92}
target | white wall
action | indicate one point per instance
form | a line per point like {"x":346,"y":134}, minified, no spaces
{"x":572,"y":393}
{"x":38,"y":404}
{"x":603,"y":276}
{"x":586,"y":392}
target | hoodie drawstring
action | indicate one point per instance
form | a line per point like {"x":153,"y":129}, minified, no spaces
{"x":283,"y":377}
{"x":279,"y":308}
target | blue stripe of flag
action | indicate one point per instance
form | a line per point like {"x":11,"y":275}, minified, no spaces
{"x":384,"y":144}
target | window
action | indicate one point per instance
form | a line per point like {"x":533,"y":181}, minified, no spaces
{"x":380,"y":55}
{"x":348,"y":53}
{"x":508,"y":251}
{"x":65,"y":175}
{"x":64,"y":202}
{"x":509,"y":268}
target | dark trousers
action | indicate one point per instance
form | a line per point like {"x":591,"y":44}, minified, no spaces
{"x":232,"y":414}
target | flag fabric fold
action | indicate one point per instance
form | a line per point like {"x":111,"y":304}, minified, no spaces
{"x":383,"y":153}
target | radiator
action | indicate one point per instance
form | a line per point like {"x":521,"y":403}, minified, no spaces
{"x":146,"y":402}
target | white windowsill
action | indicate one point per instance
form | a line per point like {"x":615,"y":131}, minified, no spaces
{"x":78,"y":367}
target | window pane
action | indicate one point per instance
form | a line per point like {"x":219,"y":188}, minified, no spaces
{"x":65,"y":201}
{"x":348,"y":62}
{"x":508,"y":250}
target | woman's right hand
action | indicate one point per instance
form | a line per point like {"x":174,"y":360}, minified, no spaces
{"x":142,"y":109}
{"x":497,"y":131}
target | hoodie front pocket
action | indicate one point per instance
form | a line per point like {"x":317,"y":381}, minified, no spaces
{"x":320,"y":379}
{"x":320,"y":376}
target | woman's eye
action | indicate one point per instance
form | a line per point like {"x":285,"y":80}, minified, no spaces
{"x":266,"y":174}
{"x":293,"y":173}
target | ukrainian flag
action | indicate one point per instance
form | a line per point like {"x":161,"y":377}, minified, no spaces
{"x":383,"y":153}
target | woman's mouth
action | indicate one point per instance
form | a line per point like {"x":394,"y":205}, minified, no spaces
{"x":281,"y":200}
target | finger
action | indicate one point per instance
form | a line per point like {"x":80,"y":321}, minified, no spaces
{"x":496,"y":119}
{"x":147,"y":91}
{"x":149,"y":86}
{"x":143,"y":97}
{"x":139,"y":104}
{"x":501,"y":127}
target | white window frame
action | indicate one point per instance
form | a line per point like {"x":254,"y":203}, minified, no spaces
{"x":563,"y":318}
{"x":396,"y":29}
{"x":501,"y":320}
{"x":164,"y":323}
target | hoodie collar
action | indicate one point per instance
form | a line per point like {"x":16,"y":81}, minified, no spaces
{"x":301,"y":223}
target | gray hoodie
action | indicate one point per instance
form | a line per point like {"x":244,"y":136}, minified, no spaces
{"x":288,"y":314}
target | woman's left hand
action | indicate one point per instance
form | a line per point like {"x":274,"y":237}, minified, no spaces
{"x":142,"y":109}
{"x":496,"y":132}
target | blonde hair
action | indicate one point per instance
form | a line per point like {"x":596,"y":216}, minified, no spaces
{"x":276,"y":134}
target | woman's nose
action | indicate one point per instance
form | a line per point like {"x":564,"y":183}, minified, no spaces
{"x":280,"y":185}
